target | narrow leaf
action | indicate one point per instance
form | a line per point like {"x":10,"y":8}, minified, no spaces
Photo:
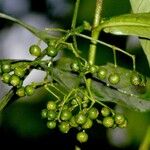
{"x":128,"y":24}
{"x":139,"y":6}
{"x":37,"y":32}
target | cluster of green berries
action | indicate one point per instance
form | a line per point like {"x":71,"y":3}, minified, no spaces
{"x":112,"y":120}
{"x":102,"y":73}
{"x":77,"y":113}
{"x":66,"y":117}
{"x":50,"y":50}
{"x":13,"y":76}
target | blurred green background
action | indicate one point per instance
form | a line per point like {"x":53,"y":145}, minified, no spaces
{"x":20,"y":122}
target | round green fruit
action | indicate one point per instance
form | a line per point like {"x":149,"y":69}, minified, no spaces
{"x":20,"y":72}
{"x":6,"y":78}
{"x":102,"y":73}
{"x":29,"y":89}
{"x":21,"y":92}
{"x":51,"y":114}
{"x":93,"y":113}
{"x":82,"y":137}
{"x":65,"y":115}
{"x":6,"y":68}
{"x":105,"y":111}
{"x":88,"y":124}
{"x":93,"y":69}
{"x":51,"y":105}
{"x":108,"y":122}
{"x":15,"y":80}
{"x":135,"y":79}
{"x":119,"y":119}
{"x":51,"y":51}
{"x":114,"y":78}
{"x":44,"y":113}
{"x":124,"y":124}
{"x":81,"y":118}
{"x":51,"y":124}
{"x":35,"y":50}
{"x":64,"y":127}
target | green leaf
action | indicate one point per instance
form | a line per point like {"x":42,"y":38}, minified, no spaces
{"x":125,"y":94}
{"x":128,"y":24}
{"x":4,"y":101}
{"x":37,"y":32}
{"x":139,"y":6}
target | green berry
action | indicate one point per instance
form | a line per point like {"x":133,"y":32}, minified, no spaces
{"x":105,"y":111}
{"x":35,"y":50}
{"x":6,"y":68}
{"x":93,"y":113}
{"x":114,"y":78}
{"x":119,"y":119}
{"x":82,"y":137}
{"x":93,"y":69}
{"x":108,"y":122}
{"x":15,"y":80}
{"x":102,"y":73}
{"x":88,"y":124}
{"x":65,"y":115}
{"x":20,"y":72}
{"x":51,"y":115}
{"x":51,"y":124}
{"x":6,"y":78}
{"x":29,"y":89}
{"x":44,"y":113}
{"x":124,"y":124}
{"x":135,"y":79}
{"x":64,"y":127}
{"x":51,"y":105}
{"x":72,"y":122}
{"x":52,"y":42}
{"x":21,"y":92}
{"x":51,"y":51}
{"x":81,"y":118}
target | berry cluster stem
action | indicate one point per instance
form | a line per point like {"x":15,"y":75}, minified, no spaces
{"x":95,"y":34}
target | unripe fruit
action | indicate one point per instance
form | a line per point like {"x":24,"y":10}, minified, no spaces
{"x":21,"y":92}
{"x":29,"y":89}
{"x":114,"y":78}
{"x":88,"y":124}
{"x":82,"y":137}
{"x":35,"y":50}
{"x":51,"y":105}
{"x":65,"y":115}
{"x":119,"y":119}
{"x":64,"y":127}
{"x":81,"y":118}
{"x":15,"y":80}
{"x":108,"y":122}
{"x":6,"y":78}
{"x":51,"y":115}
{"x":20,"y":72}
{"x":51,"y":124}
{"x":102,"y":73}
{"x":135,"y":79}
{"x":105,"y":111}
{"x":51,"y":51}
{"x":44,"y":113}
{"x":93,"y":113}
{"x":6,"y":68}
